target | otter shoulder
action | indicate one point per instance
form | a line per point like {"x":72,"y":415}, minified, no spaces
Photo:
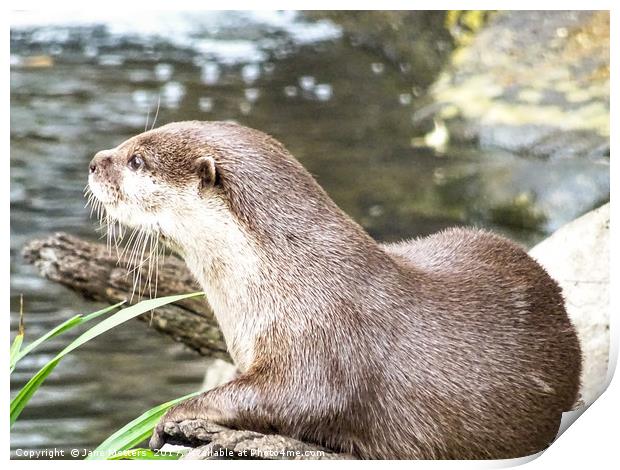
{"x":454,"y":249}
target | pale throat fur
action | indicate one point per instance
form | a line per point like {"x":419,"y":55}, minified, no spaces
{"x":225,"y":262}
{"x":218,"y":251}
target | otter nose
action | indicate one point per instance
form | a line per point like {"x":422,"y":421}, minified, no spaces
{"x":100,"y":160}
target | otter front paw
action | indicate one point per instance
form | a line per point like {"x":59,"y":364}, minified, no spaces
{"x":177,"y":425}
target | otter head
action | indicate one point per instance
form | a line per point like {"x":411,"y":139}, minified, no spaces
{"x":154,"y":180}
{"x":207,"y":182}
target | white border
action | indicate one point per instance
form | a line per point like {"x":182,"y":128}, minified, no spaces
{"x":589,"y":443}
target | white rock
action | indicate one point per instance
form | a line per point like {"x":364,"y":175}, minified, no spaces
{"x":577,"y":257}
{"x":218,"y":372}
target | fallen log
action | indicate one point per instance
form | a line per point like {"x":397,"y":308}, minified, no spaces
{"x":92,"y":270}
{"x":209,"y":441}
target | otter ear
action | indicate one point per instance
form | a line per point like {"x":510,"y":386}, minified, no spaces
{"x":207,"y":171}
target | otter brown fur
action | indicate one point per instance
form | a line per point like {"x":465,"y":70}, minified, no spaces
{"x":453,"y":346}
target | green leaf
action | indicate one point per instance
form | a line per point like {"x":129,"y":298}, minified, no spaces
{"x":65,"y":326}
{"x":146,"y":454}
{"x":134,"y":432}
{"x":19,"y":339}
{"x":25,"y":394}
{"x":15,"y":348}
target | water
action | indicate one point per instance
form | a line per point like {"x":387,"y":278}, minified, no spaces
{"x":88,"y":83}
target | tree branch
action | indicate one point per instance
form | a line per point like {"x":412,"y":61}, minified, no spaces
{"x":213,"y":442}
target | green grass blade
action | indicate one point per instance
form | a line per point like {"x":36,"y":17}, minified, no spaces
{"x":122,"y":316}
{"x":24,"y":395}
{"x":19,"y":339}
{"x":65,"y":326}
{"x":134,"y":432}
{"x":146,"y":454}
{"x":103,"y":311}
{"x":15,"y":348}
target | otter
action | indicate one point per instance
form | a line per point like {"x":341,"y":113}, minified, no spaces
{"x":452,"y":346}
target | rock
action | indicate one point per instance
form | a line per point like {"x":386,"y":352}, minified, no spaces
{"x":534,"y":82}
{"x":531,"y":90}
{"x":577,"y":256}
{"x":218,"y":372}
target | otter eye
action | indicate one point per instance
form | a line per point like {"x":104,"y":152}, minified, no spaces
{"x":135,"y":162}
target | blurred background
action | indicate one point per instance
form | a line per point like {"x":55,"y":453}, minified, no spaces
{"x":412,"y":122}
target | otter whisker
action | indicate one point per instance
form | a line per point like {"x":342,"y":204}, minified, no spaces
{"x":133,"y":254}
{"x":147,"y":261}
{"x":157,"y":111}
{"x":92,"y":202}
{"x":127,"y":244}
{"x":93,"y":205}
{"x":156,"y":273}
{"x":102,"y":214}
{"x":108,"y":223}
{"x":109,"y":229}
{"x":98,"y":208}
{"x":89,"y":202}
{"x":134,"y":248}
{"x":102,"y":229}
{"x":136,"y":258}
{"x":89,"y":197}
{"x":116,"y":235}
{"x":156,"y":260}
{"x":150,"y":259}
{"x":140,"y":247}
{"x":156,"y":267}
{"x":148,"y":114}
{"x":138,"y":273}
